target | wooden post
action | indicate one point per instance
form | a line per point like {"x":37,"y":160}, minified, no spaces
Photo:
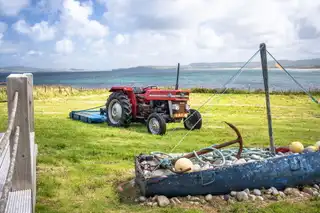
{"x":24,"y":172}
{"x":264,"y":65}
{"x":177,"y":80}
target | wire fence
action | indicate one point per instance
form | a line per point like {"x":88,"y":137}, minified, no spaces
{"x":4,"y":142}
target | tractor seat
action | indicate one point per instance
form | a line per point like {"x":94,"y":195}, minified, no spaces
{"x":138,"y":90}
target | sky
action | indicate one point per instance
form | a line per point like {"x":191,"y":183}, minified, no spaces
{"x":107,"y":34}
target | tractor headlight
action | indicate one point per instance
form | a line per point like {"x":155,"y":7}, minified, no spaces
{"x":175,"y":107}
{"x":187,"y":107}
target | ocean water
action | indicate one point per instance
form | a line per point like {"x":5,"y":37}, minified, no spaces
{"x":249,"y":78}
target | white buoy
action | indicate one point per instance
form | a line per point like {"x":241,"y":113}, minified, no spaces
{"x":183,"y":164}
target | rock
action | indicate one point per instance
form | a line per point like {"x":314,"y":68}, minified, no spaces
{"x":308,"y":190}
{"x":230,"y":201}
{"x":240,"y":161}
{"x":256,"y":192}
{"x":276,"y":198}
{"x":296,"y":193}
{"x":149,"y":204}
{"x":256,"y":157}
{"x":316,"y":194}
{"x":226,"y":197}
{"x":189,"y":197}
{"x":260,"y":198}
{"x":282,"y":194}
{"x":274,"y":191}
{"x":202,"y":201}
{"x":154,"y":198}
{"x":163,"y":201}
{"x":232,"y":158}
{"x":194,"y":199}
{"x":142,"y":199}
{"x":136,"y":200}
{"x":252,"y":197}
{"x":269,"y":191}
{"x":191,"y":202}
{"x":304,"y":194}
{"x":249,"y":161}
{"x":242,"y":196}
{"x":173,"y":202}
{"x":288,"y":191}
{"x":247,"y":191}
{"x":233,"y":193}
{"x":196,"y":167}
{"x":316,"y":187}
{"x":196,"y":203}
{"x":208,"y":197}
{"x":154,"y":204}
{"x":177,"y":200}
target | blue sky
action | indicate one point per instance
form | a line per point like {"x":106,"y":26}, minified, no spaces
{"x":105,"y":34}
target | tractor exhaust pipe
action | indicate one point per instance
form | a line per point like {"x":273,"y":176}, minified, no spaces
{"x":177,"y":80}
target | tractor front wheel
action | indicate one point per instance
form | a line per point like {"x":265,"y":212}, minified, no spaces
{"x":119,"y":110}
{"x":156,"y":124}
{"x":193,"y":121}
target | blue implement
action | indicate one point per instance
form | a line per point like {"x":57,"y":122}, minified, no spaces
{"x":88,"y":116}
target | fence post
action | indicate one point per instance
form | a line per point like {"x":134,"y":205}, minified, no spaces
{"x":23,"y":177}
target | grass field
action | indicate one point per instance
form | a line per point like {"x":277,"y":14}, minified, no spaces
{"x":79,"y":165}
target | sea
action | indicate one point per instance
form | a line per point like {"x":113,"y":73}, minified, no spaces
{"x":188,"y":78}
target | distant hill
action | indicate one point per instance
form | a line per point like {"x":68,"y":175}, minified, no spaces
{"x":297,"y":64}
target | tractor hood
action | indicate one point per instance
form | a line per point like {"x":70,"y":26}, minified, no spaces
{"x":171,"y":95}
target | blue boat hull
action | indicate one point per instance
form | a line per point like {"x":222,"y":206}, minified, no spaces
{"x":281,"y":172}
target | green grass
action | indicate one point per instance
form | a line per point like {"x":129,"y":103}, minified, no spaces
{"x":79,"y":165}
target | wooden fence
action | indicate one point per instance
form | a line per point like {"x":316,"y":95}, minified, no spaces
{"x":17,"y":148}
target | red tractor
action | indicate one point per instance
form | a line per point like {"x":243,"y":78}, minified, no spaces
{"x":150,"y":105}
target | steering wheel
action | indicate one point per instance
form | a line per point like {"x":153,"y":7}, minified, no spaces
{"x":150,"y":87}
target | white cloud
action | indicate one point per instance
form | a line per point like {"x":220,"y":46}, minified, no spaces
{"x":75,"y":20}
{"x":12,"y":7}
{"x":34,"y":53}
{"x":40,"y":31}
{"x":64,"y":46}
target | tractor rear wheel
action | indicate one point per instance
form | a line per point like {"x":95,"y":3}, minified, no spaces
{"x":193,"y":121}
{"x":156,"y":124}
{"x":119,"y":110}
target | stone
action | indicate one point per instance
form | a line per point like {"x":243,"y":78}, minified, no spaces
{"x":208,"y":197}
{"x":142,"y":199}
{"x":177,"y":200}
{"x":226,"y":197}
{"x":247,"y":191}
{"x":276,"y":198}
{"x":256,"y":157}
{"x":196,"y":167}
{"x":230,"y":201}
{"x":269,"y":191}
{"x":308,"y":190}
{"x":163,"y":201}
{"x":316,"y":187}
{"x":256,"y":192}
{"x":260,"y":198}
{"x":282,"y":194}
{"x":232,"y":158}
{"x":154,"y":198}
{"x":189,"y":197}
{"x":274,"y":191}
{"x":136,"y":200}
{"x":288,"y":191}
{"x":196,"y":203}
{"x":202,"y":201}
{"x":240,"y":161}
{"x":194,"y":199}
{"x":173,"y":202}
{"x":149,"y":204}
{"x":252,"y":197}
{"x":154,"y":204}
{"x":233,"y":193}
{"x":242,"y":196}
{"x":316,"y":194}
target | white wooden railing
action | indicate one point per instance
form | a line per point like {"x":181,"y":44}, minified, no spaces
{"x":17,"y":148}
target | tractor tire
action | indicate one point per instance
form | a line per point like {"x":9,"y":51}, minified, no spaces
{"x":193,"y":117}
{"x":156,"y":124}
{"x":119,"y":110}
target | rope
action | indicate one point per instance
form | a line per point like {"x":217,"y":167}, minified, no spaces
{"x":232,"y":79}
{"x":5,"y":139}
{"x":308,"y":93}
{"x":8,"y":183}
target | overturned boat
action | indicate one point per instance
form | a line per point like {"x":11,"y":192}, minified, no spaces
{"x":227,"y":170}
